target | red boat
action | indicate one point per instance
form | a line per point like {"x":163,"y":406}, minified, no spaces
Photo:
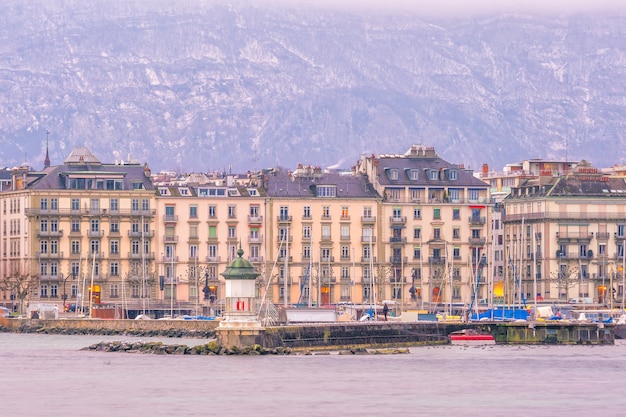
{"x":471,"y":336}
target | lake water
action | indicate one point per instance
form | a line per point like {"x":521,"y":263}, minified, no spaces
{"x":48,"y":375}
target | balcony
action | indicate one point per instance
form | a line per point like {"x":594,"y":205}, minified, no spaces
{"x":46,"y":255}
{"x":255,"y":259}
{"x":140,"y":256}
{"x":368,"y":239}
{"x":437,"y":260}
{"x":170,"y":218}
{"x":573,"y":236}
{"x":397,"y":280}
{"x":603,"y":236}
{"x":397,"y":239}
{"x":477,"y":241}
{"x":213,"y":259}
{"x":169,"y":259}
{"x":255,"y":219}
{"x":138,"y":234}
{"x":398,"y":260}
{"x":95,"y":233}
{"x":477,"y":220}
{"x":368,"y":219}
{"x":171,"y":280}
{"x":255,"y":239}
{"x":284,"y":219}
{"x":397,"y":220}
{"x":170,"y":239}
{"x":367,"y":259}
{"x":282,"y":259}
{"x":327,"y":259}
{"x":283,"y":239}
{"x":49,"y":233}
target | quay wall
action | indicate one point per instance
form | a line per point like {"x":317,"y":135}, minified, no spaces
{"x":328,"y":335}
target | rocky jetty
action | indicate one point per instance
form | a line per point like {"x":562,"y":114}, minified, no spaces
{"x":160,"y":348}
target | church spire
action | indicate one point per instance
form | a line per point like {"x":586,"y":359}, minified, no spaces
{"x":46,"y":162}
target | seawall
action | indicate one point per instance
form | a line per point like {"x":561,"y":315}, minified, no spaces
{"x":332,"y":335}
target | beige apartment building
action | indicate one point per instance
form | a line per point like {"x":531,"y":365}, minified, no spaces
{"x":323,"y":236}
{"x":565,"y":235}
{"x":80,"y":233}
{"x":433,"y":228}
{"x":201,"y":223}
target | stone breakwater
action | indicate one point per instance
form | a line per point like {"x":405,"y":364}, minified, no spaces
{"x":213,"y":348}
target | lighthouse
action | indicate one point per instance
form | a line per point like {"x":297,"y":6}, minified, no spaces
{"x":240,"y":325}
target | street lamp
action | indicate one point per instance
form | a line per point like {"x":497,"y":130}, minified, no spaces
{"x":206,"y":290}
{"x":64,"y":296}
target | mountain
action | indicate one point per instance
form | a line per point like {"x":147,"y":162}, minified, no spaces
{"x":204,"y":85}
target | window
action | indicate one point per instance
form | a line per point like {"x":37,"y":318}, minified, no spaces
{"x":456,"y":213}
{"x":193,"y":231}
{"x":134,"y":227}
{"x":417,"y":233}
{"x":114,"y":204}
{"x":43,"y":225}
{"x":306,"y":212}
{"x":366,"y":252}
{"x":114,"y":269}
{"x":134,"y":205}
{"x":232,"y":212}
{"x":43,"y":246}
{"x":43,"y":204}
{"x":367,"y":212}
{"x":284,"y":213}
{"x":95,"y":205}
{"x":452,"y":174}
{"x":456,"y":252}
{"x":436,"y":213}
{"x":54,"y":204}
{"x":193,"y":212}
{"x":433,"y":174}
{"x":95,"y":247}
{"x":326,"y":212}
{"x":345,"y":252}
{"x":306,"y":232}
{"x":417,"y":252}
{"x":75,"y":246}
{"x":114,"y":247}
{"x":414,"y":174}
{"x":325,"y":231}
{"x":169,"y":213}
{"x":437,"y":233}
{"x":232,"y":232}
{"x":75,"y":204}
{"x":473,"y":194}
{"x":254,"y":210}
{"x":393,"y":174}
{"x":115,"y":226}
{"x":345,"y":212}
{"x":193,"y":251}
{"x":326,"y":191}
{"x":54,"y":246}
{"x":394,"y":194}
{"x":54,"y":226}
{"x":95,"y":225}
{"x":212,"y":212}
{"x":212,"y":232}
{"x":345,"y":231}
{"x":456,"y":233}
{"x":620,"y":230}
{"x":417,"y":213}
{"x":212,"y":251}
{"x":306,"y":251}
{"x":134,"y":245}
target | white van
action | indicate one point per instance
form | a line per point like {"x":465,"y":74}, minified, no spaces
{"x":580,"y":300}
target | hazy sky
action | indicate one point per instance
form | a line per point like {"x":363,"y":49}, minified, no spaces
{"x":467,"y":7}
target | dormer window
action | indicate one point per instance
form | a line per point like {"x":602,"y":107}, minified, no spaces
{"x":413,"y":174}
{"x":326,"y":191}
{"x":433,"y":174}
{"x":393,"y":174}
{"x":452,"y":174}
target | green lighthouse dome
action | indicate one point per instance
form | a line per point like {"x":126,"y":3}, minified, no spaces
{"x":240,"y":268}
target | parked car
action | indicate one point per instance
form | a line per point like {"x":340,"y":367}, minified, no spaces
{"x":4,"y":312}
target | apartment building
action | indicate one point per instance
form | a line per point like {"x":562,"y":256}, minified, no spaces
{"x":322,"y":236}
{"x":80,"y":232}
{"x":202,"y":222}
{"x":434,"y":226}
{"x":564,"y":234}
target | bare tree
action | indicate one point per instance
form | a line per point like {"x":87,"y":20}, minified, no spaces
{"x":566,"y":277}
{"x":18,"y":285}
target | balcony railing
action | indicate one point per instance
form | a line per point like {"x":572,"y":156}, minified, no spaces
{"x":398,"y":259}
{"x":49,"y":233}
{"x":138,"y":234}
{"x":437,"y":259}
{"x":477,"y":241}
{"x":255,"y":219}
{"x":368,"y":219}
{"x":213,"y":259}
{"x":397,"y":219}
{"x":477,"y":220}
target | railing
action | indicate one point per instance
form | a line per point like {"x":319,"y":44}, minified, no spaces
{"x":255,"y":239}
{"x":170,"y":218}
{"x":283,"y":219}
{"x":141,"y":234}
{"x":368,"y":239}
{"x":255,"y":259}
{"x":49,"y":233}
{"x":95,"y":233}
{"x":397,"y":219}
{"x":437,"y":260}
{"x":88,"y":212}
{"x":255,"y":219}
{"x":477,"y":241}
{"x":398,"y":259}
{"x":212,"y":259}
{"x":562,"y":216}
{"x":49,"y":255}
{"x":171,"y":239}
{"x":169,"y":259}
{"x":367,"y":259}
{"x":368,"y":219}
{"x":327,"y":259}
{"x":477,"y":220}
{"x":397,"y":239}
{"x":574,"y":235}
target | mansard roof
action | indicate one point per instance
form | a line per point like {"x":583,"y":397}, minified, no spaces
{"x":283,"y":183}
